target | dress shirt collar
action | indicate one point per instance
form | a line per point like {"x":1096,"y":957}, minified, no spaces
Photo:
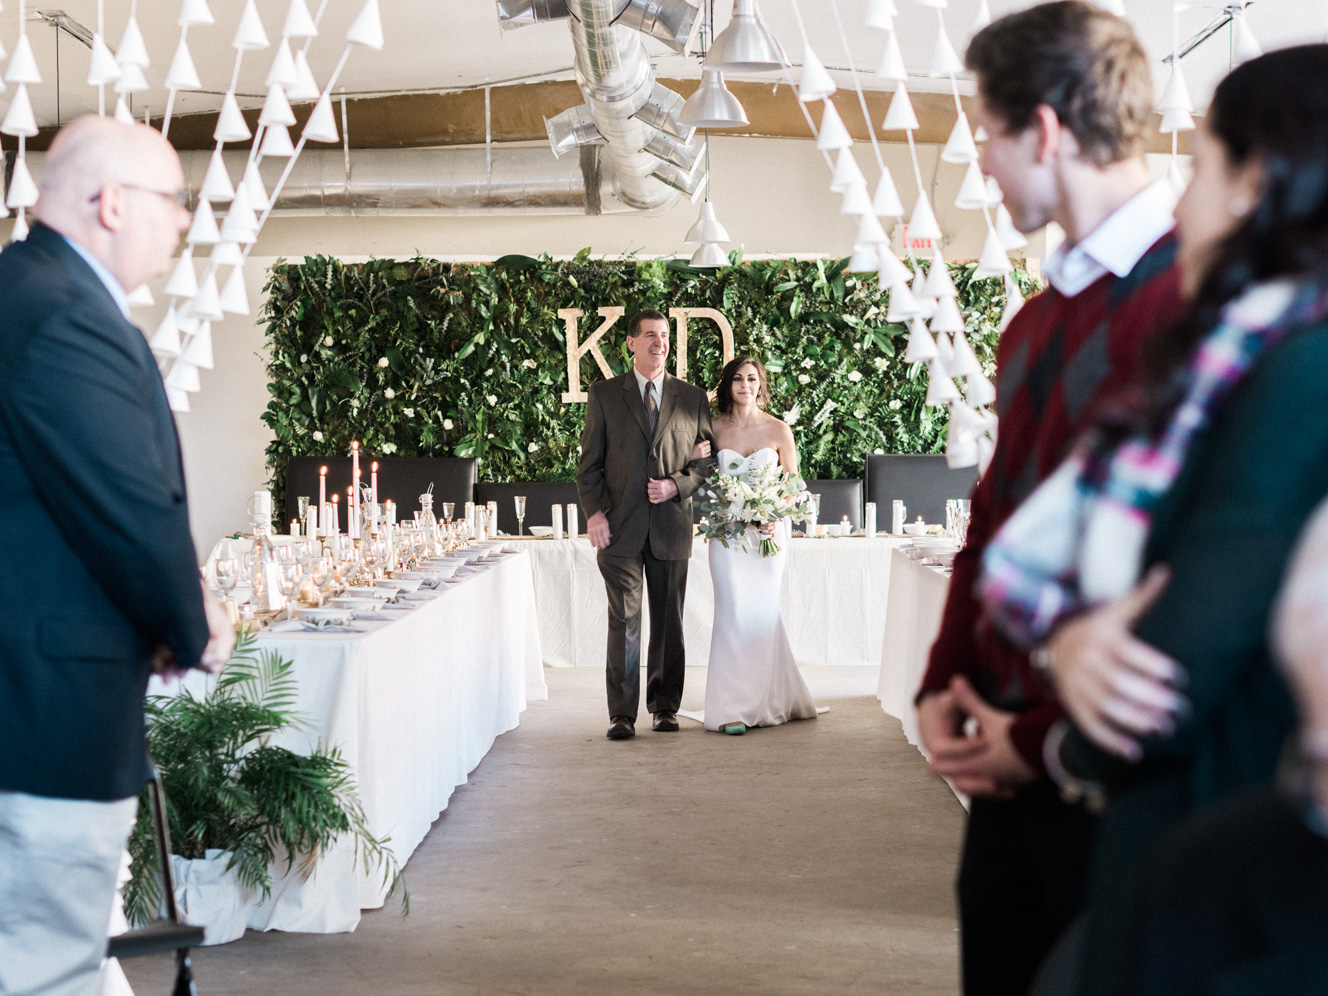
{"x":1117,"y":244}
{"x":104,"y":275}
{"x":642,"y":381}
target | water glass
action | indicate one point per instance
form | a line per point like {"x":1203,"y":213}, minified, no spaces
{"x":520,"y":501}
{"x":227,"y":574}
{"x":449,"y":508}
{"x":290,"y":583}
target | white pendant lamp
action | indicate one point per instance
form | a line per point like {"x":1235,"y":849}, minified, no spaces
{"x":900,"y":116}
{"x":960,"y":147}
{"x":965,"y":362}
{"x":744,"y":46}
{"x":961,"y":447}
{"x":712,"y":106}
{"x":367,"y":28}
{"x":864,"y":260}
{"x":815,"y":83}
{"x":709,"y":256}
{"x":322,"y":123}
{"x":706,"y":228}
{"x":833,"y":135}
{"x":1247,"y":46}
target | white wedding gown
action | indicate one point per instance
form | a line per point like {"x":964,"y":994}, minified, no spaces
{"x":753,"y":678}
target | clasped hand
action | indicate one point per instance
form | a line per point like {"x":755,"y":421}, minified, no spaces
{"x":968,"y":742}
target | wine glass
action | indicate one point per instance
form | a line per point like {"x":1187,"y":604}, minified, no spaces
{"x":302,"y":508}
{"x":227,"y":576}
{"x":520,"y":501}
{"x":449,"y":507}
{"x":322,"y":575}
{"x":290,"y":582}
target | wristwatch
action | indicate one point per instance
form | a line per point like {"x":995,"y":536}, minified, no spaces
{"x":1073,"y":790}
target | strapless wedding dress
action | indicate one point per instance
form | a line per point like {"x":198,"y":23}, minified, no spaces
{"x":753,"y":678}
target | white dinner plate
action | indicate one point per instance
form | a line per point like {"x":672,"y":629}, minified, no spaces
{"x":323,"y":614}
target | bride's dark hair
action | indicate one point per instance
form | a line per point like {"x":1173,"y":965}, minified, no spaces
{"x":724,"y":390}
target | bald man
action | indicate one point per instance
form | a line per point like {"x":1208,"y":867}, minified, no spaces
{"x":100,"y":583}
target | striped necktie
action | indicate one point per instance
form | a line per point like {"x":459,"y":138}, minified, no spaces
{"x":652,"y":406}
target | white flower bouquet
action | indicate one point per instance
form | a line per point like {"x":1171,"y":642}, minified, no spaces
{"x":755,"y":497}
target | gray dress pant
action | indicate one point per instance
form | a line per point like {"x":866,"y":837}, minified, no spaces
{"x":666,"y":662}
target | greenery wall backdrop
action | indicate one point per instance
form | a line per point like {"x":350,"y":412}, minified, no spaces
{"x":424,"y":358}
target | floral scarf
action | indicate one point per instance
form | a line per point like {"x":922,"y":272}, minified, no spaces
{"x":1078,"y":539}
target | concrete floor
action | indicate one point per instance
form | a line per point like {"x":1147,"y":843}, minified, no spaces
{"x":812,"y":858}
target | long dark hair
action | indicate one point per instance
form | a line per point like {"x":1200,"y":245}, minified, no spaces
{"x":724,"y":390}
{"x":1273,"y":109}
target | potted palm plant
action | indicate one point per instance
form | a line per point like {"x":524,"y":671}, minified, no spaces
{"x":237,"y":805}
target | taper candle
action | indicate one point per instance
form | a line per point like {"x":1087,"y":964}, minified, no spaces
{"x":373,"y":481}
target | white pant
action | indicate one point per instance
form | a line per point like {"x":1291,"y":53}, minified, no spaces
{"x":58,"y":864}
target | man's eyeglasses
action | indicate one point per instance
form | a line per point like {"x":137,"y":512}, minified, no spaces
{"x":180,"y":198}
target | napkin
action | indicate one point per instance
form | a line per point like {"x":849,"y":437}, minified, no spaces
{"x":303,"y":626}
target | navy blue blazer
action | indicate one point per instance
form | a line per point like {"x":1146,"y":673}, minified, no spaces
{"x":97,"y":565}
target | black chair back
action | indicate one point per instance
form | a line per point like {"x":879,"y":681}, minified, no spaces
{"x":838,"y":499}
{"x":402,"y":479}
{"x":541,"y":496}
{"x":924,"y":482}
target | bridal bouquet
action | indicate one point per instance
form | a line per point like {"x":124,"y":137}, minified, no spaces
{"x":731,"y":503}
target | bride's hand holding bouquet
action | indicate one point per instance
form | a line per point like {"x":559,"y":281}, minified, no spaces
{"x":736,"y":497}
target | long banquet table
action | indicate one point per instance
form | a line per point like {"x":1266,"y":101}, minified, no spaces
{"x":833,"y":600}
{"x":912,"y":620}
{"x":413,"y":705}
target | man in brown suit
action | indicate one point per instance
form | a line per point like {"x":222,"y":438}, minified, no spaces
{"x":636,"y":481}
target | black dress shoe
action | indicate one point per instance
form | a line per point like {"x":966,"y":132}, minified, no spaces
{"x":665,"y":722}
{"x":621,"y":728}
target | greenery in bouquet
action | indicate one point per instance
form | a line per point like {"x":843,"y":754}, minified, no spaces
{"x":229,"y":788}
{"x":732,"y":502}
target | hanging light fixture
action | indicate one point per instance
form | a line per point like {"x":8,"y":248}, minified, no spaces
{"x":745,"y":46}
{"x":712,"y":106}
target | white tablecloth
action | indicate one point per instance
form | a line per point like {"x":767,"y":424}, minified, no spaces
{"x":834,"y":601}
{"x":414,"y":705}
{"x":912,"y":620}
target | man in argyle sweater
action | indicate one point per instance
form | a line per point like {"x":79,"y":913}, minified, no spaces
{"x":1065,"y":95}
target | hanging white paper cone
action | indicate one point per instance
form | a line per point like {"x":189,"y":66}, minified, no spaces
{"x":965,"y":362}
{"x":986,"y":450}
{"x":250,"y":36}
{"x":893,"y":272}
{"x":1176,"y":120}
{"x":277,"y":143}
{"x":282,"y":73}
{"x":140,"y":297}
{"x":927,"y":304}
{"x":322,"y":123}
{"x":833,"y":134}
{"x":846,"y":173}
{"x":22,"y":66}
{"x":19,"y":119}
{"x":165,"y":342}
{"x":939,"y":283}
{"x":981,"y":19}
{"x":994,"y":261}
{"x":969,"y":419}
{"x":237,"y":227}
{"x":226,"y":254}
{"x":367,"y":29}
{"x":944,"y":354}
{"x":945,"y":60}
{"x":921,"y":346}
{"x":979,"y":391}
{"x":960,"y":147}
{"x":20,"y":230}
{"x":102,"y":67}
{"x":216,"y":181}
{"x":184,"y":281}
{"x":207,"y":302}
{"x":122,"y":113}
{"x":994,"y":193}
{"x":903,"y":305}
{"x":980,"y":134}
{"x":857,"y":201}
{"x":276,"y":108}
{"x":131,"y":79}
{"x":194,"y":13}
{"x":1176,"y":95}
{"x":1247,"y":46}
{"x":183,"y":377}
{"x":254,"y":190}
{"x":231,"y":126}
{"x":870,"y":233}
{"x":864,"y":260}
{"x":881,"y":14}
{"x":892,"y":61}
{"x":242,"y":209}
{"x":935,"y":4}
{"x":941,"y":390}
{"x":183,"y":74}
{"x":1011,"y":238}
{"x":947,"y":318}
{"x":900,"y":116}
{"x":886,"y":203}
{"x":299,"y":24}
{"x":132,"y":51}
{"x":198,"y":353}
{"x":22,"y":189}
{"x":306,"y":87}
{"x":961,"y":446}
{"x":922,"y":225}
{"x":234,"y":297}
{"x":1175,"y":176}
{"x":203,"y":231}
{"x":972,"y":194}
{"x":815,"y":83}
{"x":178,"y":400}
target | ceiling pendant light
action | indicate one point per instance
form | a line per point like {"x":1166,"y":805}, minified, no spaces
{"x":709,"y":256}
{"x":712,"y":106}
{"x":745,"y":46}
{"x":707,"y":228}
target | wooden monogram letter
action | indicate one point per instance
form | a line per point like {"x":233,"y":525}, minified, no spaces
{"x":577,"y":350}
{"x":680,"y":315}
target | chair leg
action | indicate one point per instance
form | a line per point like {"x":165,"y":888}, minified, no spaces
{"x":184,"y":975}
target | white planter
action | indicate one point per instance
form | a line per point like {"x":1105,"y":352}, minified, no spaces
{"x":211,"y":897}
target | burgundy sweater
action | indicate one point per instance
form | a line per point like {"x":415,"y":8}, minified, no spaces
{"x":1055,"y":364}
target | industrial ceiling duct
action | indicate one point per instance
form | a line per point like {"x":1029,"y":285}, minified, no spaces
{"x":572,"y":129}
{"x":661,"y":111}
{"x":519,"y":13}
{"x":670,"y":21}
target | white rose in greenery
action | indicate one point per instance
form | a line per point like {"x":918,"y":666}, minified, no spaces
{"x":532,"y":448}
{"x":304,"y":357}
{"x":447,"y":424}
{"x":808,"y":363}
{"x":857,"y":345}
{"x":896,"y":404}
{"x":804,"y":379}
{"x":318,"y":436}
{"x":489,"y":436}
{"x":855,"y":376}
{"x":489,"y":372}
{"x":408,"y":412}
{"x":529,"y":364}
{"x":327,"y":341}
{"x":881,"y":362}
{"x":382,"y":362}
{"x":389,"y":447}
{"x":491,"y":399}
{"x":389,"y":394}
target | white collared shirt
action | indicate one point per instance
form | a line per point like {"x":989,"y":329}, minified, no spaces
{"x":1117,"y":244}
{"x":642,"y":381}
{"x":104,"y":275}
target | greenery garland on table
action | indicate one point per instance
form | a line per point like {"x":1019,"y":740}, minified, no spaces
{"x":425,"y":358}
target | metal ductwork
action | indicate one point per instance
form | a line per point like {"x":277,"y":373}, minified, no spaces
{"x":634,"y":118}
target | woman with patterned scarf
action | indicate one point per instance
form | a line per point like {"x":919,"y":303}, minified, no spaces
{"x":1142,"y":573}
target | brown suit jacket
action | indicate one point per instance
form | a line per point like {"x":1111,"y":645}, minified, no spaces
{"x":619,"y":457}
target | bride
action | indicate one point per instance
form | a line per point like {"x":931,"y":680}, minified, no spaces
{"x":753,"y":679}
